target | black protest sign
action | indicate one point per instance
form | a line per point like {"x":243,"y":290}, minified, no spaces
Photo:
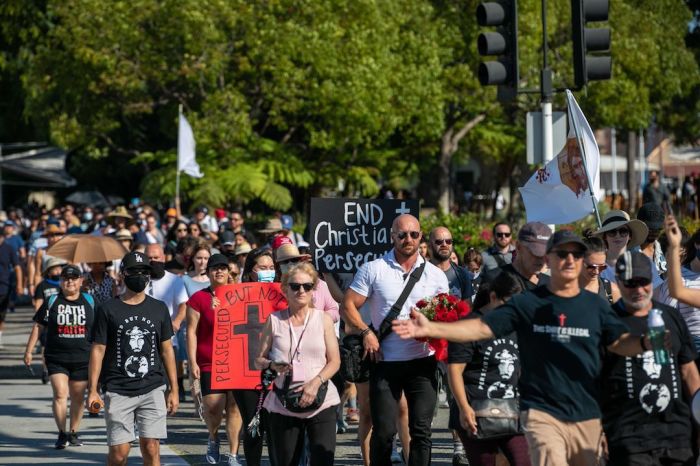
{"x":346,"y":233}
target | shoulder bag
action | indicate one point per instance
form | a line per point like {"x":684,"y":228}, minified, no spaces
{"x":496,"y":418}
{"x":353,"y":367}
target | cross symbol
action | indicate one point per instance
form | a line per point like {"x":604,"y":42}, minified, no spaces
{"x":562,"y":319}
{"x":403,"y":209}
{"x":252,"y":328}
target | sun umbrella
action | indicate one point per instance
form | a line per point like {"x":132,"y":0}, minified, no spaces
{"x":87,"y":248}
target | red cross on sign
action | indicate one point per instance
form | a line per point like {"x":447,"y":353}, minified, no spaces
{"x":237,"y":328}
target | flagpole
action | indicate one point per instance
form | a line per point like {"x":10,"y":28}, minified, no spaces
{"x":177,"y":168}
{"x":582,"y":148}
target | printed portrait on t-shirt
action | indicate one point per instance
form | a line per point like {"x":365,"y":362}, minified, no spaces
{"x":137,"y":350}
{"x":499,"y":369}
{"x":652,"y":384}
{"x":136,"y":339}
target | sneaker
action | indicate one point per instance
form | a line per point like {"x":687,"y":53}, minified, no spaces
{"x":396,"y":457}
{"x":212,"y":456}
{"x":460,"y":459}
{"x":74,"y":439}
{"x":62,"y":441}
{"x":233,"y":461}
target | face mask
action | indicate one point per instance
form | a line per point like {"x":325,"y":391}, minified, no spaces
{"x":136,"y":283}
{"x":157,"y":270}
{"x":266,"y":276}
{"x":284,"y":268}
{"x":55,"y":278}
{"x":87,"y":216}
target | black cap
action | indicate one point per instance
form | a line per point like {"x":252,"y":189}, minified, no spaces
{"x":135,"y":260}
{"x":217,"y":260}
{"x":633,"y":265}
{"x":564,"y":237}
{"x":71,"y":271}
{"x":227,"y":238}
{"x":202,"y":209}
{"x":652,"y":215}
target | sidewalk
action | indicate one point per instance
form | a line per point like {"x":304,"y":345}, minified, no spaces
{"x":27,"y":428}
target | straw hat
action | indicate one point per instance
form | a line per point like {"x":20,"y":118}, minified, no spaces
{"x":288,"y":252}
{"x":119,"y":212}
{"x":273,"y":225}
{"x":617,"y":219}
{"x":123,"y":235}
{"x":52,"y":262}
{"x":242,"y":249}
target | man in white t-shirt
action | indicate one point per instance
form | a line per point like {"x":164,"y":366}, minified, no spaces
{"x":403,"y":366}
{"x":170,"y":289}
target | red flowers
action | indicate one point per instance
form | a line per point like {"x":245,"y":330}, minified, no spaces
{"x":442,"y":307}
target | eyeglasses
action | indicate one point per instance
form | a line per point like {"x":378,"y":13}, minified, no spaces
{"x":440,"y":242}
{"x":403,"y":234}
{"x":598,"y":267}
{"x":564,"y":254}
{"x":71,"y":278}
{"x":503,"y":235}
{"x":619,"y":231}
{"x":298,"y":286}
{"x":636,"y":283}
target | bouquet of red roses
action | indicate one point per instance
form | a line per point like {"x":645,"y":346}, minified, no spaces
{"x":442,"y":307}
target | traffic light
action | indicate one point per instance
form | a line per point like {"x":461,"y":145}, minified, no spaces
{"x":502,"y":43}
{"x":590,"y":67}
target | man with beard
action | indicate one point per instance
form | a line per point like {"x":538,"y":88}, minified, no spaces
{"x":460,"y":281}
{"x":170,"y":289}
{"x":133,"y":376}
{"x":501,"y":252}
{"x":645,"y":416}
{"x":403,"y":366}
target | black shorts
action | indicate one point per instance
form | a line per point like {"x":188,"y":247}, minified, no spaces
{"x":205,"y":382}
{"x":77,"y":371}
{"x":4,"y":303}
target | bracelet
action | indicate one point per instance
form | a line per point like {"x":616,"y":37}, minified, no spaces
{"x":641,"y":342}
{"x":320,"y":378}
{"x":365,"y":331}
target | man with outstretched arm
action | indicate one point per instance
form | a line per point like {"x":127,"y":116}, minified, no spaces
{"x":563,"y":328}
{"x":130,"y":356}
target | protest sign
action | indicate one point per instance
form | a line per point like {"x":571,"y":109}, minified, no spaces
{"x":239,"y":321}
{"x":346,"y":233}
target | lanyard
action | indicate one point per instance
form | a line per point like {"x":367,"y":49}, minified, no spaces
{"x":292,"y":336}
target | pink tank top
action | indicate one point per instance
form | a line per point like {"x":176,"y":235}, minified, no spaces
{"x":312,"y":350}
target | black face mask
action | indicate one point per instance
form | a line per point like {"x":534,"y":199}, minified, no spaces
{"x":136,"y":283}
{"x":157,"y":270}
{"x":55,"y":278}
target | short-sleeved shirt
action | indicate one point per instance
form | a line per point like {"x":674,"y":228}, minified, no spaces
{"x":15,"y":241}
{"x":46,"y":289}
{"x":132,"y":334}
{"x":493,"y":366}
{"x":381,"y":281}
{"x":560,"y":340}
{"x":642,"y":402}
{"x":8,"y":260}
{"x":170,"y":290}
{"x":200,"y":302}
{"x":193,"y":286}
{"x":69,"y":326}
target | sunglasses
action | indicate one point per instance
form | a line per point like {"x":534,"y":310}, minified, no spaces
{"x":290,"y":261}
{"x":403,"y":234}
{"x":636,"y":283}
{"x":218,"y":268}
{"x":564,"y":254}
{"x":598,"y":267}
{"x":180,"y":230}
{"x":298,"y":286}
{"x":440,"y":242}
{"x":619,"y":231}
{"x":503,"y":235}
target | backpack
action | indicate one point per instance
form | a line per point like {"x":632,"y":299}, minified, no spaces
{"x":88,"y":297}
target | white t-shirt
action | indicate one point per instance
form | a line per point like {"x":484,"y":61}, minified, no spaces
{"x":381,"y":281}
{"x":690,"y":314}
{"x":171,"y":290}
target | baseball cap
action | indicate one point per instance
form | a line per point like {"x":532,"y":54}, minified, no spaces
{"x":227,"y":238}
{"x":71,"y":271}
{"x":652,"y":215}
{"x":135,"y":260}
{"x":564,"y":237}
{"x":534,"y":236}
{"x":202,"y":209}
{"x":171,"y":212}
{"x":217,"y":260}
{"x":287,"y":222}
{"x":633,"y":264}
{"x":280,"y":241}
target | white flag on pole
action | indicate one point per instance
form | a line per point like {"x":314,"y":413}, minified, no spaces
{"x":186,"y":161}
{"x":559,"y":192}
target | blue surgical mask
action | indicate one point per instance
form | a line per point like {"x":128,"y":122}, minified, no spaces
{"x":266,"y":276}
{"x":87,"y":216}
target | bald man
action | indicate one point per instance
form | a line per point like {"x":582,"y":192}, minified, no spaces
{"x":402,"y":366}
{"x":170,"y":289}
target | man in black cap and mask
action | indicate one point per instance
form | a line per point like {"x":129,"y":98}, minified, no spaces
{"x":131,"y":355}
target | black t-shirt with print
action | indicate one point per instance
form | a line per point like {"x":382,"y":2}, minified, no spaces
{"x":642,"y":402}
{"x":69,"y":327}
{"x":46,"y":289}
{"x":493,"y":366}
{"x":132,"y":333}
{"x":560,"y":341}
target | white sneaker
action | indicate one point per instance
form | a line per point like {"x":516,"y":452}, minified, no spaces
{"x":233,"y":461}
{"x":396,"y":457}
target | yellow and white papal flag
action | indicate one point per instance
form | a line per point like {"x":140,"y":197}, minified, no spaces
{"x":186,"y":161}
{"x":560,"y":192}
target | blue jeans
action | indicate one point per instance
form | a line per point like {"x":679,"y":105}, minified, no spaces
{"x":416,"y":379}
